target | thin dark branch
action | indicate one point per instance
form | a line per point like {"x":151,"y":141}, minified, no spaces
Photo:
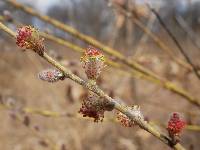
{"x":184,"y":26}
{"x":175,"y":40}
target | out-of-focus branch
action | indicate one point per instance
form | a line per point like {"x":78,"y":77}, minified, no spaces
{"x":86,"y":39}
{"x":184,"y":26}
{"x":54,"y":114}
{"x":151,"y":35}
{"x":187,"y":58}
{"x":144,"y":37}
{"x":94,"y":88}
{"x":138,"y":74}
{"x":166,"y":84}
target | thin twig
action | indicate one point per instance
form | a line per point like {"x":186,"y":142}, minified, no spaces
{"x":94,"y":88}
{"x":184,"y":26}
{"x":187,"y":58}
{"x":156,"y":39}
{"x":144,"y":37}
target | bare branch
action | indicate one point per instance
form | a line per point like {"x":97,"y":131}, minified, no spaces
{"x":187,"y":58}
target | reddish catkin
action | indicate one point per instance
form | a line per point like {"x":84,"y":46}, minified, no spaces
{"x":93,"y":62}
{"x":175,"y":126}
{"x":125,"y":121}
{"x":93,"y":107}
{"x":29,"y":38}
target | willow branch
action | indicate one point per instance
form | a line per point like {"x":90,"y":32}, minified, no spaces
{"x":94,"y":88}
{"x":141,"y":71}
{"x":166,"y":84}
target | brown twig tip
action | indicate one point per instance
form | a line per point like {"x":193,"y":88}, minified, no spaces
{"x":93,"y":62}
{"x":29,"y":38}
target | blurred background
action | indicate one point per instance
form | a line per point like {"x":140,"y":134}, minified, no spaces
{"x":37,"y":115}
